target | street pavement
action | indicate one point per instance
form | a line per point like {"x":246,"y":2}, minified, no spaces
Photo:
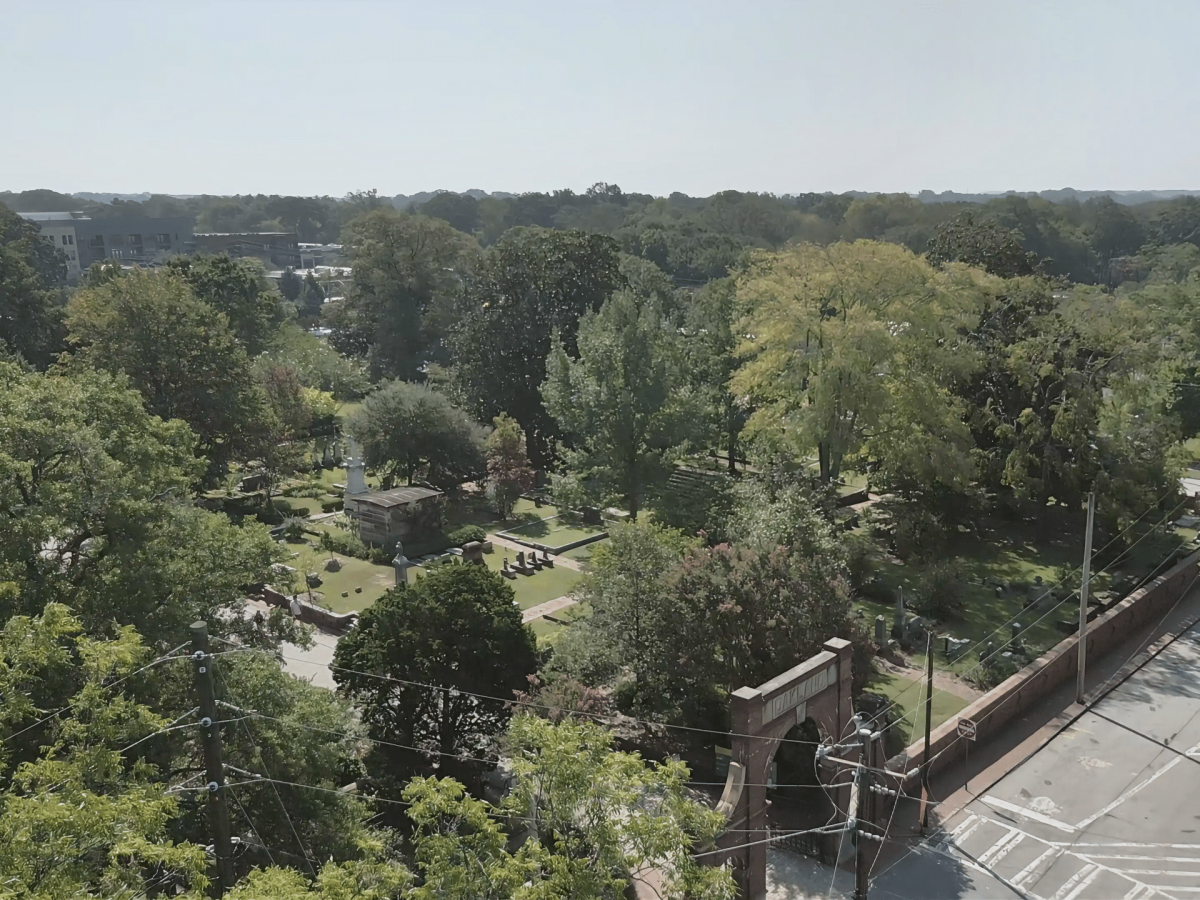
{"x":1109,"y":809}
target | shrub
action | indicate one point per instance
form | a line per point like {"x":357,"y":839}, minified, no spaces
{"x":330,"y":505}
{"x":294,"y":531}
{"x":940,"y":590}
{"x":466,"y":534}
{"x":345,"y":544}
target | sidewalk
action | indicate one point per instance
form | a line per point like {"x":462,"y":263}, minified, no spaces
{"x":547,"y":608}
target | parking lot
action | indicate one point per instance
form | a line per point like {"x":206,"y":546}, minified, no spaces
{"x":1109,"y":809}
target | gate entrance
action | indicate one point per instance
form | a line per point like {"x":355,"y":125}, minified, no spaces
{"x":817,"y":689}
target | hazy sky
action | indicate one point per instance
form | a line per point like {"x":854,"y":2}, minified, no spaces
{"x":657,"y":96}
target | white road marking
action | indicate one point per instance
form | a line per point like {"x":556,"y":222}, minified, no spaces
{"x":1082,"y":886}
{"x":1028,"y":814}
{"x":1024,"y":874}
{"x":1129,"y":793}
{"x":963,"y":824}
{"x":987,"y":854}
{"x":1135,"y":892}
{"x":1004,"y":851}
{"x":1069,"y":888}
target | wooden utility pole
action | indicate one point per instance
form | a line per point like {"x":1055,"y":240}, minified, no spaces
{"x":218,"y":811}
{"x":928,"y":730}
{"x":1083,"y":598}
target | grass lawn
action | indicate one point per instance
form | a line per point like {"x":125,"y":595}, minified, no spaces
{"x":548,"y":584}
{"x":374,"y":580}
{"x":909,"y":696}
{"x":1014,"y":552}
{"x":582,"y":554}
{"x":477,"y":511}
{"x":553,"y":532}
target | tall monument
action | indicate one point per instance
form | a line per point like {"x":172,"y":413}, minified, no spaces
{"x":356,"y":471}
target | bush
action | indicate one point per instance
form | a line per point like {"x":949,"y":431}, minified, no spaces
{"x":330,"y":505}
{"x":466,"y":534}
{"x":940,"y":591}
{"x":344,"y":543}
{"x":293,"y":532}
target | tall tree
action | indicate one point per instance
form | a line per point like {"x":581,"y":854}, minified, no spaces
{"x":530,"y":284}
{"x":404,"y":265}
{"x":95,"y":512}
{"x":623,"y":403}
{"x":508,"y":471}
{"x":710,"y":352}
{"x":985,"y":245}
{"x":177,"y":351}
{"x":852,"y":347}
{"x":290,"y":284}
{"x":276,"y":438}
{"x":238,"y":288}
{"x":461,"y":211}
{"x":417,"y":656}
{"x":30,"y":267}
{"x":408,"y":428}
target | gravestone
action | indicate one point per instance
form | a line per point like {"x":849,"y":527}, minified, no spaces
{"x":880,"y":631}
{"x":472,"y":553}
{"x":506,"y":571}
{"x":546,"y":560}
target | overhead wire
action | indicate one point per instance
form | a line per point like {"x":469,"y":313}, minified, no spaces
{"x":262,"y":758}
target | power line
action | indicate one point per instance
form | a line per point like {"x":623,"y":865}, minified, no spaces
{"x":532,"y":705}
{"x":299,"y":843}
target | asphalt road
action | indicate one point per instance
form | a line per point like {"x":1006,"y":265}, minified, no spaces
{"x":1109,"y":809}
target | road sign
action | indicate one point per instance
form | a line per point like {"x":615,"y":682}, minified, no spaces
{"x":966,"y":729}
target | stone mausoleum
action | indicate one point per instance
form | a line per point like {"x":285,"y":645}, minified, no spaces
{"x":387,"y":517}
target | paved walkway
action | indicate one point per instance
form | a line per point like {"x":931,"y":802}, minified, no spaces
{"x":563,"y":561}
{"x":544,"y":609}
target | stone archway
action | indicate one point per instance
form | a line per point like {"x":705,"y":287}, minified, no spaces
{"x":819,"y":689}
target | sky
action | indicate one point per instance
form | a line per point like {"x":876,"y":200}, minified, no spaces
{"x":321,"y":98}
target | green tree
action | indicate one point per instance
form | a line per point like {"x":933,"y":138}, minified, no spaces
{"x":83,"y":818}
{"x":508,"y":471}
{"x":985,"y":245}
{"x":277,"y":439}
{"x":634,"y":620}
{"x":461,"y":211}
{"x":317,"y":364}
{"x":30,"y":324}
{"x":593,"y":831}
{"x":855,"y":348}
{"x":177,"y":351}
{"x":530,"y":284}
{"x":290,"y":285}
{"x":415,"y":658}
{"x":94,"y":501}
{"x":238,"y":288}
{"x":710,"y":353}
{"x":622,"y":403}
{"x":409,"y":428}
{"x":404,"y":266}
{"x":312,"y":297}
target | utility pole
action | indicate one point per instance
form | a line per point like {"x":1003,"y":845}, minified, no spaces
{"x":1083,"y":598}
{"x":928,"y":729}
{"x":218,"y":812}
{"x":862,"y":815}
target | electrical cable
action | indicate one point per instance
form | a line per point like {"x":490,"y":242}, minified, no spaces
{"x":299,"y":843}
{"x":531,"y":705}
{"x":119,"y":681}
{"x":250,"y":822}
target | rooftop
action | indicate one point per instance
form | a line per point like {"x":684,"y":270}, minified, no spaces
{"x":397,"y":496}
{"x":52,"y":216}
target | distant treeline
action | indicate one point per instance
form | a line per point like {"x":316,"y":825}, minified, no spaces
{"x":1087,"y":237}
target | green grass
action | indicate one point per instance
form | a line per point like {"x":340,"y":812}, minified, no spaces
{"x":477,"y":511}
{"x":909,"y":696}
{"x":540,"y":587}
{"x":553,"y":532}
{"x":374,"y":580}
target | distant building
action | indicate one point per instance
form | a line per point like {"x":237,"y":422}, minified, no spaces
{"x":143,"y":240}
{"x":277,"y":248}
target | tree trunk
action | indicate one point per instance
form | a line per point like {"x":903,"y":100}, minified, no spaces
{"x":823,"y":458}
